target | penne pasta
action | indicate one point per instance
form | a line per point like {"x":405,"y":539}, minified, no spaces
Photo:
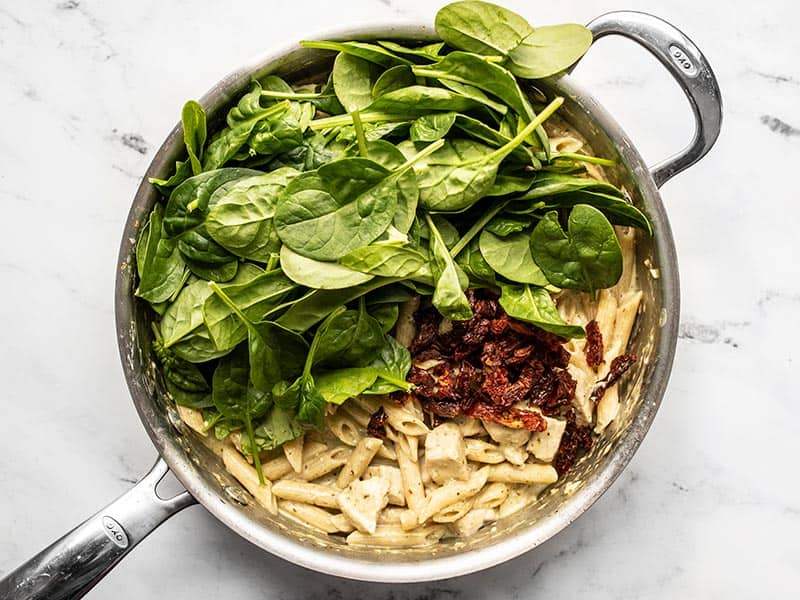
{"x":293,"y":451}
{"x":405,"y":419}
{"x":493,"y":495}
{"x":280,"y":467}
{"x":193,"y":419}
{"x":473,"y":520}
{"x":413,"y":489}
{"x":309,"y":515}
{"x":308,"y":493}
{"x":247,"y":475}
{"x":358,"y":461}
{"x":325,"y":462}
{"x":454,"y":512}
{"x":453,"y":492}
{"x":483,"y":452}
{"x":395,"y":537}
{"x":529,"y":473}
{"x":344,"y":428}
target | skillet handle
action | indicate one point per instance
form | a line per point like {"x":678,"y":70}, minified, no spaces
{"x":72,"y":565}
{"x":690,"y":69}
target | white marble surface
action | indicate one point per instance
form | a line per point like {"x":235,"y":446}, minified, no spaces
{"x":710,"y":505}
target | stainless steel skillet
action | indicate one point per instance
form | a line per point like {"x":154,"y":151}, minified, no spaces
{"x":72,"y":565}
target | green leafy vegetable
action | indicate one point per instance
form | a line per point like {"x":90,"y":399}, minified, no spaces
{"x":341,"y":206}
{"x":254,"y":298}
{"x":240,"y":219}
{"x":586,"y":257}
{"x":510,"y":257}
{"x":448,"y":297}
{"x":342,"y":384}
{"x":481,"y":27}
{"x":535,"y":305}
{"x":236,"y":398}
{"x":549,"y":50}
{"x":162,"y":271}
{"x":429,"y":128}
{"x":318,"y":274}
{"x":384,"y":260}
{"x":193,"y":119}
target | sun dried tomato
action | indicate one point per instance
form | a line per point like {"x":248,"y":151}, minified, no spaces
{"x":594,"y":344}
{"x":618,"y":367}
{"x":376,"y":422}
{"x":575,"y":442}
{"x":514,"y":418}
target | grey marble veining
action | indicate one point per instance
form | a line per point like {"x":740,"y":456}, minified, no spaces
{"x":710,"y":505}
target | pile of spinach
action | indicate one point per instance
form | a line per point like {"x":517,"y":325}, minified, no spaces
{"x":288,"y":238}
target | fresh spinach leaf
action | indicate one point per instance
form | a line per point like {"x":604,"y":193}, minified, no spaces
{"x":476,"y":268}
{"x":183,"y":380}
{"x":365,"y":51}
{"x":162,"y":271}
{"x":392,"y":366}
{"x":241,"y":119}
{"x":586,"y":257}
{"x":448,"y":296}
{"x":277,"y":428}
{"x":193,"y":120}
{"x":353,"y":79}
{"x":420,"y":99}
{"x":450,"y":182}
{"x":549,"y":50}
{"x":384,"y":260}
{"x":254,"y":298}
{"x":618,"y":211}
{"x":274,"y":353}
{"x":387,"y":155}
{"x":386,"y":315}
{"x":343,"y":205}
{"x":318,"y":274}
{"x":240,"y":219}
{"x":343,"y":384}
{"x":481,"y":27}
{"x":351,"y":339}
{"x":428,"y":53}
{"x":429,"y":128}
{"x":235,"y":397}
{"x":302,"y":396}
{"x":505,"y":225}
{"x":396,"y":78}
{"x":535,"y":305}
{"x":317,"y":305}
{"x":510,"y":257}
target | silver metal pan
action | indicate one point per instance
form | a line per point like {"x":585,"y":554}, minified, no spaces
{"x":76,"y":562}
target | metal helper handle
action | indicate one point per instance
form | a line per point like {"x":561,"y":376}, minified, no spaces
{"x":689,"y":68}
{"x":72,"y":565}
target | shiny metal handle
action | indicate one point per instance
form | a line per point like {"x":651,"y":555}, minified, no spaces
{"x":72,"y":565}
{"x":689,"y":68}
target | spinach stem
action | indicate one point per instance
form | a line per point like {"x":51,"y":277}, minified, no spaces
{"x":367,"y":117}
{"x":596,"y":160}
{"x":294,"y":95}
{"x":476,"y":228}
{"x":394,"y":381}
{"x":529,"y":129}
{"x":362,"y":140}
{"x":254,"y":449}
{"x":426,"y":151}
{"x":229,"y":303}
{"x":272,"y":262}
